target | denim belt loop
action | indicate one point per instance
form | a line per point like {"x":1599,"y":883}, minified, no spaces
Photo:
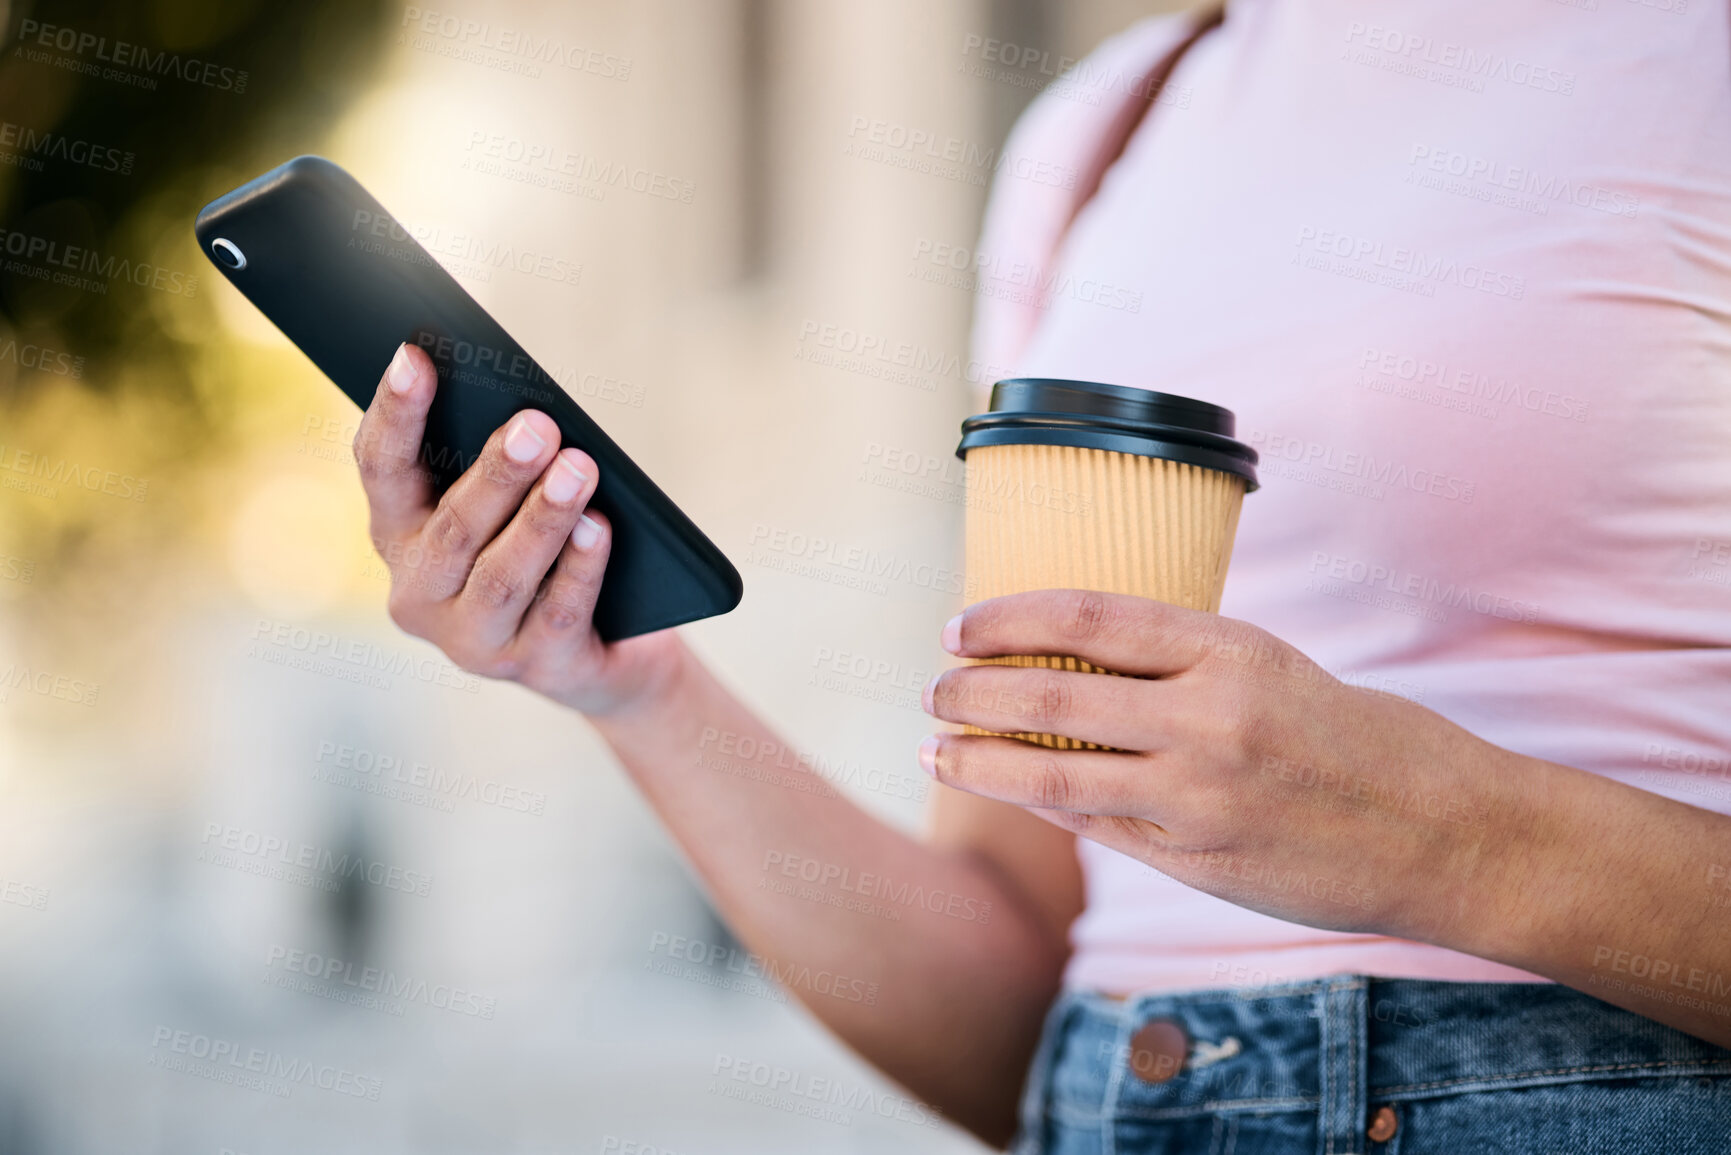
{"x":1030,"y":1134}
{"x":1129,"y":1015}
{"x":1344,"y":1024}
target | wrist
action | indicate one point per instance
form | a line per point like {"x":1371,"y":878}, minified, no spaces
{"x":654,"y":675}
{"x":1492,"y":882}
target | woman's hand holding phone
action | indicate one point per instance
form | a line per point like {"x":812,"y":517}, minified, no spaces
{"x":502,"y":570}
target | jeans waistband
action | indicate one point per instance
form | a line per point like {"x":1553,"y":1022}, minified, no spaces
{"x":1336,"y":1045}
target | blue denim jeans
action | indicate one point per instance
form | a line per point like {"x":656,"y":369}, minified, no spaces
{"x":1373,"y":1067}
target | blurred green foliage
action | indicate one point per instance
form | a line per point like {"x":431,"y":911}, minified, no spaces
{"x":240,"y":85}
{"x":119,"y":120}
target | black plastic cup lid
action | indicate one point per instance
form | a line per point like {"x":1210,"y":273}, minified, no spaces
{"x":1090,"y":415}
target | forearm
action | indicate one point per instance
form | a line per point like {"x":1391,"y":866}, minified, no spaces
{"x":503,"y":570}
{"x":1612,"y":890}
{"x":961,"y":970}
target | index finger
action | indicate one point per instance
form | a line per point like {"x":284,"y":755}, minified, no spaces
{"x":388,"y":447}
{"x":1117,"y":632}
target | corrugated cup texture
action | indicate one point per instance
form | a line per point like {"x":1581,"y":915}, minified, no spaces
{"x":1060,"y":517}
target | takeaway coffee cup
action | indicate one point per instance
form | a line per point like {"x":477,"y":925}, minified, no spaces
{"x":1079,"y":485}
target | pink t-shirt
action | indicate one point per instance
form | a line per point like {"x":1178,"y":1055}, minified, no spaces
{"x":1463,"y":271}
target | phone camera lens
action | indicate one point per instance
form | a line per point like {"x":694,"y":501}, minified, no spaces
{"x":228,"y":253}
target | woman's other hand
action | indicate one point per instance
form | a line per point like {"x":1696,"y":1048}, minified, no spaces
{"x":1239,"y":767}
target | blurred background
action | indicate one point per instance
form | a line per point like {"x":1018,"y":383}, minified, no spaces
{"x":520,"y":961}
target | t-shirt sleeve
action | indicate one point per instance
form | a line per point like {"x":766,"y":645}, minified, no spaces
{"x":1054,"y":154}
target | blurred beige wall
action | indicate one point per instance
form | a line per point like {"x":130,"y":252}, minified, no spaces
{"x":704,"y":323}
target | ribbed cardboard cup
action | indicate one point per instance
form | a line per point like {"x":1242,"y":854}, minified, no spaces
{"x":1080,"y":485}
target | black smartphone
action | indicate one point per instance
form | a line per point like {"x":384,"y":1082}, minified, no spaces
{"x":347,"y":284}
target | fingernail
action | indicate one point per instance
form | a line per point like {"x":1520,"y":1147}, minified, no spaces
{"x":564,"y":481}
{"x":929,"y":755}
{"x":399,"y":376}
{"x":522,"y":443}
{"x":586,"y":534}
{"x":926,"y":694}
{"x":951,"y":638}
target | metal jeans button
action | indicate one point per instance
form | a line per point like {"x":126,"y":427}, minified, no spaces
{"x":1157,"y":1051}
